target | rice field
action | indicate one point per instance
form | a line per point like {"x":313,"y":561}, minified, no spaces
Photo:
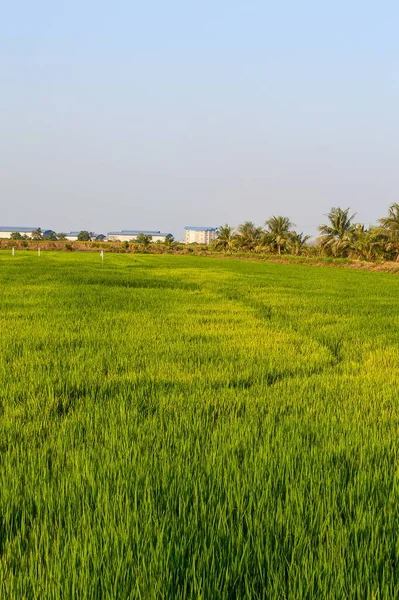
{"x":187,"y":427}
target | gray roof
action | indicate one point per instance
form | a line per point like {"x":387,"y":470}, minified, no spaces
{"x":76,"y":233}
{"x":137,"y":232}
{"x":18,"y":229}
{"x":140,"y":231}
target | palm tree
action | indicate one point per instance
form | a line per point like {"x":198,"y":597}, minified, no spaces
{"x":225,"y":237}
{"x":297,"y":242}
{"x":390,"y":225}
{"x":248,"y":235}
{"x":369,"y":244}
{"x":278,"y":232}
{"x":169,"y":241}
{"x":337,"y":236}
{"x":391,"y":222}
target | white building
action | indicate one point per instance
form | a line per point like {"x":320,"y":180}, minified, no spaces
{"x":6,"y":232}
{"x":130,"y":235}
{"x":72,"y":236}
{"x":199,"y":235}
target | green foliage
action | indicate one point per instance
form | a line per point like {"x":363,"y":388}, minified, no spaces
{"x":50,"y":235}
{"x":15,"y":235}
{"x":248,"y":235}
{"x":144,"y":239}
{"x":84,"y":236}
{"x":297,"y":242}
{"x":187,"y":427}
{"x":340,"y":237}
{"x":169,"y":242}
{"x":370,"y":244}
{"x":391,"y":222}
{"x":337,"y":236}
{"x":37,"y":234}
{"x":277,"y":235}
{"x":226,"y":238}
{"x":390,"y":226}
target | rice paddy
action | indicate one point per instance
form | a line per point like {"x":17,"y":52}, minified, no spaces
{"x":187,"y":427}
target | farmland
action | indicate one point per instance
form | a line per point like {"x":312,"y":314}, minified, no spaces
{"x":187,"y":427}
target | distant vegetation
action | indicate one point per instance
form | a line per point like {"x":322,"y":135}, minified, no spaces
{"x":340,"y":237}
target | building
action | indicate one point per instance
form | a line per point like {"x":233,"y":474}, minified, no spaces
{"x":72,"y":236}
{"x":130,"y":235}
{"x":6,"y":232}
{"x":199,"y":235}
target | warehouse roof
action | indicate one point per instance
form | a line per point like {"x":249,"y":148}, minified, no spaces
{"x":140,"y":231}
{"x":76,"y":233}
{"x":18,"y":229}
{"x":137,"y":232}
{"x":200,"y":228}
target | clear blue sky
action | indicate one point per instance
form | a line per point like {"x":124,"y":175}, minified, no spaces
{"x":158,"y":115}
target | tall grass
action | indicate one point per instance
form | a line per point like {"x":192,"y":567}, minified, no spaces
{"x":179,"y":427}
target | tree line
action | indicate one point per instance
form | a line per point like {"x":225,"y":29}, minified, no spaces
{"x":39,"y":234}
{"x":340,"y":237}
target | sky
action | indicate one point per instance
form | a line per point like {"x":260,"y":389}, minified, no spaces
{"x":161,"y":114}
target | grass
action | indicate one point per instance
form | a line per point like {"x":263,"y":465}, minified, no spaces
{"x":187,"y":427}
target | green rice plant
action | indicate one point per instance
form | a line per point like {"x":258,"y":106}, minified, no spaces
{"x":187,"y":427}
